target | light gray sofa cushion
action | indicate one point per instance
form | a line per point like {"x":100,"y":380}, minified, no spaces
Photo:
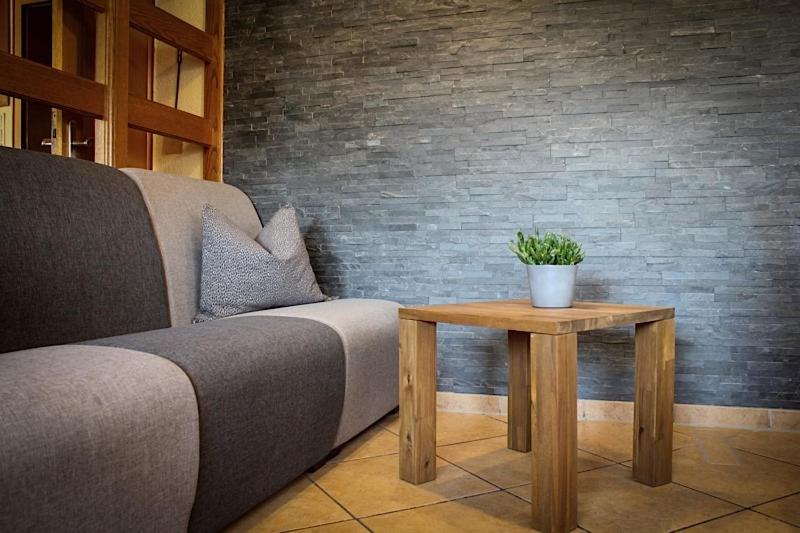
{"x":240,"y":274}
{"x":176,"y":207}
{"x":368,"y":329}
{"x":95,"y":439}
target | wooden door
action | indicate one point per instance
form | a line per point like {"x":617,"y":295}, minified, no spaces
{"x":73,"y":50}
{"x":33,"y":42}
{"x":60,"y":34}
{"x":86,"y":86}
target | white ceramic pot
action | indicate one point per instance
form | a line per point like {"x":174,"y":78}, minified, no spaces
{"x":552,"y":285}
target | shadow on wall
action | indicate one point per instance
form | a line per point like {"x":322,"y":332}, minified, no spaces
{"x":327,"y":266}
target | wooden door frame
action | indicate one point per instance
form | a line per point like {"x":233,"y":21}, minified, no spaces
{"x":16,"y":48}
{"x":119,"y":110}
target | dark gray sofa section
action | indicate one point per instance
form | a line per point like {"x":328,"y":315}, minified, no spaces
{"x":269,"y":392}
{"x":79,"y":255}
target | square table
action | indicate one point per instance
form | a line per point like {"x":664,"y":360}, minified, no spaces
{"x":542,"y":392}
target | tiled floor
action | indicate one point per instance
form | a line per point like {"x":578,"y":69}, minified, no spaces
{"x":724,"y":480}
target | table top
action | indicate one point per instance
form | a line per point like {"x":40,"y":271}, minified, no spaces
{"x":518,"y":315}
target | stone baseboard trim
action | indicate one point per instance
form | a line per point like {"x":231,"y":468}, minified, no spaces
{"x":753,"y":418}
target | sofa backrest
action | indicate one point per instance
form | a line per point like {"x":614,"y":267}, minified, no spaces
{"x":78,"y":255}
{"x":176,"y":206}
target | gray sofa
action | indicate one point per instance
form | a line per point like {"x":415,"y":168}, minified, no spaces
{"x":117,"y":413}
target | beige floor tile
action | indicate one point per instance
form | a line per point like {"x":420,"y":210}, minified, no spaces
{"x":493,"y":461}
{"x":372,"y":443}
{"x":460,"y":427}
{"x":751,"y":480}
{"x":372,"y":486}
{"x":778,"y":445}
{"x":614,"y":440}
{"x":786,"y":509}
{"x":714,"y":446}
{"x":610,"y":501}
{"x":301,"y":504}
{"x":498,"y":511}
{"x":744,"y":521}
{"x":390,"y":422}
{"x":351,"y":526}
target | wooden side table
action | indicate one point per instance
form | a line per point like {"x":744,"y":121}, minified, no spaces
{"x":542,"y":398}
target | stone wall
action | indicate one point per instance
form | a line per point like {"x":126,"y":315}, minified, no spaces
{"x":415,"y":138}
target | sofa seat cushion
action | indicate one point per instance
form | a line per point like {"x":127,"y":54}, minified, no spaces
{"x":269,"y":392}
{"x":369,"y":333}
{"x":95,"y":439}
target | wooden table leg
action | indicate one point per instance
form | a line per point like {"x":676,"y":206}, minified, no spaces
{"x":417,"y":401}
{"x":653,"y":402}
{"x":519,"y":391}
{"x":554,"y":419}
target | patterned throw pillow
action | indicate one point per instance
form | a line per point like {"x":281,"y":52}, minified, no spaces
{"x":239,"y":274}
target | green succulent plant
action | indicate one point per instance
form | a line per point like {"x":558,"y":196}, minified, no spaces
{"x":547,"y":249}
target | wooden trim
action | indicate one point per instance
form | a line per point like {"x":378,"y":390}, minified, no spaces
{"x":117,"y":36}
{"x":164,"y":120}
{"x":28,"y":80}
{"x":168,"y":28}
{"x":100,"y":6}
{"x":39,"y":83}
{"x":57,"y":137}
{"x":213,"y":106}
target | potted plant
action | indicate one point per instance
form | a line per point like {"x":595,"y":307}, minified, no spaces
{"x":552,"y":260}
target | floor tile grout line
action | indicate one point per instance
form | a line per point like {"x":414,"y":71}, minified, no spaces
{"x":776,"y":499}
{"x":709,"y":495}
{"x":335,"y":462}
{"x":337,"y":502}
{"x":684,"y":528}
{"x":495,"y":491}
{"x":365,"y":526}
{"x":465,"y":469}
{"x":316,"y":525}
{"x":468,"y":441}
{"x":766,"y":456}
{"x":469,"y":472}
{"x":507,"y":491}
{"x":773,"y":517}
{"x":358,"y":519}
{"x":597,"y":468}
{"x":744,"y":507}
{"x":458,"y":442}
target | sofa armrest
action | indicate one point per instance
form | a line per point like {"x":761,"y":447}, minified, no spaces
{"x":95,"y":439}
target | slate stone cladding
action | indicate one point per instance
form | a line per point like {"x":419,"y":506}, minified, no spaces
{"x":415,"y":137}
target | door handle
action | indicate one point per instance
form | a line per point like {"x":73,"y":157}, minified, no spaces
{"x":48,"y":141}
{"x":75,"y":144}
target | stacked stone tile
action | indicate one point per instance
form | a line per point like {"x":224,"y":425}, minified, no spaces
{"x":415,"y":137}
